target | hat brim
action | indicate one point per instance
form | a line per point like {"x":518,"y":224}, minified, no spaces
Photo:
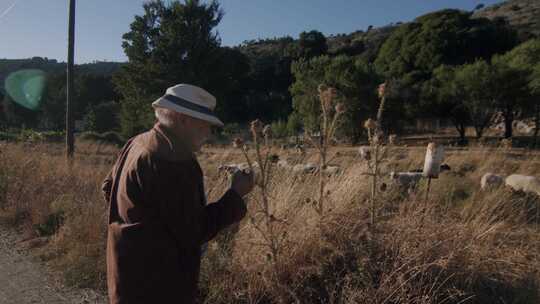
{"x":164,"y":103}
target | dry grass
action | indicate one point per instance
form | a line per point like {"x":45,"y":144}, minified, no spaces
{"x":461,"y":246}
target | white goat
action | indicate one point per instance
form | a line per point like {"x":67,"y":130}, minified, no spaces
{"x":331,"y":170}
{"x":406,"y":180}
{"x":364,"y":152}
{"x":490,"y":180}
{"x":307,"y":168}
{"x":233,"y":168}
{"x":528,"y":184}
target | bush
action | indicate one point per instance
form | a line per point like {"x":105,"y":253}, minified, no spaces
{"x":113,"y":138}
{"x":279,"y":129}
{"x":294,"y":124}
{"x":8,"y":136}
{"x":52,"y":223}
{"x":29,"y":135}
{"x":107,"y":137}
{"x":53,"y":136}
{"x":231,"y":129}
{"x":90,"y":136}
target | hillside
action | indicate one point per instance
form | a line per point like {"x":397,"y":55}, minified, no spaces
{"x":365,"y":43}
{"x":524,"y":15}
{"x":8,"y":66}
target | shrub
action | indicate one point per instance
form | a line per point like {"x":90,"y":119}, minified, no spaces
{"x":113,"y":138}
{"x":232,"y":129}
{"x":7,"y":136}
{"x":279,"y":129}
{"x":110,"y":137}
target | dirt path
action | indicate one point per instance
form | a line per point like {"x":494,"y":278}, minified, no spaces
{"x":23,"y":280}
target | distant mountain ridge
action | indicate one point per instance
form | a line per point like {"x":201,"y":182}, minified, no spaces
{"x":8,"y":66}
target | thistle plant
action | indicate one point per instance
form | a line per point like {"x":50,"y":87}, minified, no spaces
{"x":330,"y":116}
{"x":377,"y":152}
{"x":264,"y":219}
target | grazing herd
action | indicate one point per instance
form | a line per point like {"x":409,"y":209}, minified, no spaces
{"x":406,"y":182}
{"x":515,"y":182}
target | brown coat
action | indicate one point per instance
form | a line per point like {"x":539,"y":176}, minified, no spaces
{"x":159,"y":219}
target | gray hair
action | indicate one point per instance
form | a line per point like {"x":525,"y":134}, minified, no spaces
{"x":165,"y":116}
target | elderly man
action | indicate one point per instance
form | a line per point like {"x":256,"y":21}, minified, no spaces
{"x":158,"y":218}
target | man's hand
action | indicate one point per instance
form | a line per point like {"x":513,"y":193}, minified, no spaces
{"x":242,"y":182}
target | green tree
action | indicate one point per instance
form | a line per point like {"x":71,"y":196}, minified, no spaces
{"x":535,"y":80}
{"x":312,"y":44}
{"x":476,"y":81}
{"x":510,"y":91}
{"x":353,"y":78}
{"x":170,"y":43}
{"x":102,"y":117}
{"x":449,"y":36}
{"x":526,"y":59}
{"x":443,"y":98}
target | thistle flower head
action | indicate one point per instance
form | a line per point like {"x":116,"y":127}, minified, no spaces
{"x":370,"y":124}
{"x":237,"y":142}
{"x":382,"y":90}
{"x":340,"y":108}
{"x":322,"y":87}
{"x":327,"y":97}
{"x":256,"y":127}
{"x":267,"y":131}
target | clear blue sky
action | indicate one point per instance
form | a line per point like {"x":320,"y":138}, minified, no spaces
{"x":39,"y":27}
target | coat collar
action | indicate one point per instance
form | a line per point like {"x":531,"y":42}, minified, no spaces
{"x":175,"y":148}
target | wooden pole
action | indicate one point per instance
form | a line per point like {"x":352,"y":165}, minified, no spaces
{"x":69,"y":106}
{"x":428,"y":188}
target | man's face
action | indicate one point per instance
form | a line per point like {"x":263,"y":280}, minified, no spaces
{"x":195,"y":130}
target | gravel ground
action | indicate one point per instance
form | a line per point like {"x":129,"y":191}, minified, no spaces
{"x":23,"y":280}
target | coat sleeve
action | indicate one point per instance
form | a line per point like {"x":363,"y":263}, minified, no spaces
{"x":223,"y":213}
{"x":106,"y":186}
{"x":187,"y":218}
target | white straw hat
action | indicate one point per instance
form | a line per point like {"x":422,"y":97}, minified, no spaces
{"x":190,"y":100}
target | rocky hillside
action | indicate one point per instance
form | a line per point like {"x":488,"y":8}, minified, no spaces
{"x":524,"y":15}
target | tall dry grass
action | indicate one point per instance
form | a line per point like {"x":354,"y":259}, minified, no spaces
{"x":460,"y":246}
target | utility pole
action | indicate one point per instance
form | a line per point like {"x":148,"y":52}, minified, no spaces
{"x":69,"y":106}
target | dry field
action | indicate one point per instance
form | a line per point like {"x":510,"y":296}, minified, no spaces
{"x":462,"y":245}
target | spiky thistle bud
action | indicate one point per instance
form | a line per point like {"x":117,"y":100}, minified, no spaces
{"x":256,"y":127}
{"x":267,"y":131}
{"x":237,"y":142}
{"x":370,"y":124}
{"x":340,"y":108}
{"x":382,"y":90}
{"x":327,"y":97}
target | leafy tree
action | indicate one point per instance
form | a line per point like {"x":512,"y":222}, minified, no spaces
{"x":279,"y":129}
{"x":312,"y":44}
{"x":294,"y":124}
{"x":509,"y":91}
{"x":170,"y":43}
{"x":92,"y":90}
{"x":353,"y":78}
{"x":476,"y":81}
{"x":443,"y":98}
{"x":102,"y":117}
{"x":535,"y":80}
{"x":449,"y":36}
{"x":525,"y":58}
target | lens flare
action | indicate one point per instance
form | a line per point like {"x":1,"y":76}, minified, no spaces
{"x":26,"y":87}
